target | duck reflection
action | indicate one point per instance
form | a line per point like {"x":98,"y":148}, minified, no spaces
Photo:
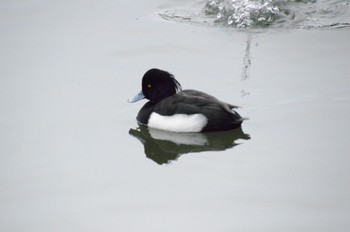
{"x":164,"y":146}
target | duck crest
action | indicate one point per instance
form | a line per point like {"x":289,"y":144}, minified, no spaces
{"x":158,"y":84}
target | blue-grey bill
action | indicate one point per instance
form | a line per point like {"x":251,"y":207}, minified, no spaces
{"x":137,"y":97}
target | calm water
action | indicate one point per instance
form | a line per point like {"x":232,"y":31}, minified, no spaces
{"x":72,"y":157}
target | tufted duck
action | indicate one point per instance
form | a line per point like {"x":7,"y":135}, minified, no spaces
{"x":173,"y":109}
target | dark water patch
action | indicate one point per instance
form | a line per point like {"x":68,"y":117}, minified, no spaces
{"x":164,"y":146}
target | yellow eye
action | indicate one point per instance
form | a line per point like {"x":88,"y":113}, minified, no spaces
{"x":149,"y":85}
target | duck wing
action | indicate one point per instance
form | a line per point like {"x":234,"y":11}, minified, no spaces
{"x":219,"y":114}
{"x":191,"y":102}
{"x":191,"y":92}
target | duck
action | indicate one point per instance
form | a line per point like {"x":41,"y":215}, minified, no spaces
{"x":170,"y":108}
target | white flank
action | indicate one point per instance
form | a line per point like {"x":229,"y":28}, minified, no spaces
{"x":178,"y":122}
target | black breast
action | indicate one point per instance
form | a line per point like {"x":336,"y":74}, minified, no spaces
{"x":144,"y":113}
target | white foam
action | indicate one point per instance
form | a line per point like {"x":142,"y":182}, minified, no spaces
{"x":178,"y":122}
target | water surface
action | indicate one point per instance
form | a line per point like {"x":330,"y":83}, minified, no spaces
{"x":69,"y":158}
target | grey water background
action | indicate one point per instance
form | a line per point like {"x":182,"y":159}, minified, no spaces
{"x":72,"y":157}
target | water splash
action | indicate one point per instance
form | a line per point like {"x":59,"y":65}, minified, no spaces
{"x":301,"y":14}
{"x":242,"y":13}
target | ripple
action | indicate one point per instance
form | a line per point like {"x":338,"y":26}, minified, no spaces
{"x":292,"y":14}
